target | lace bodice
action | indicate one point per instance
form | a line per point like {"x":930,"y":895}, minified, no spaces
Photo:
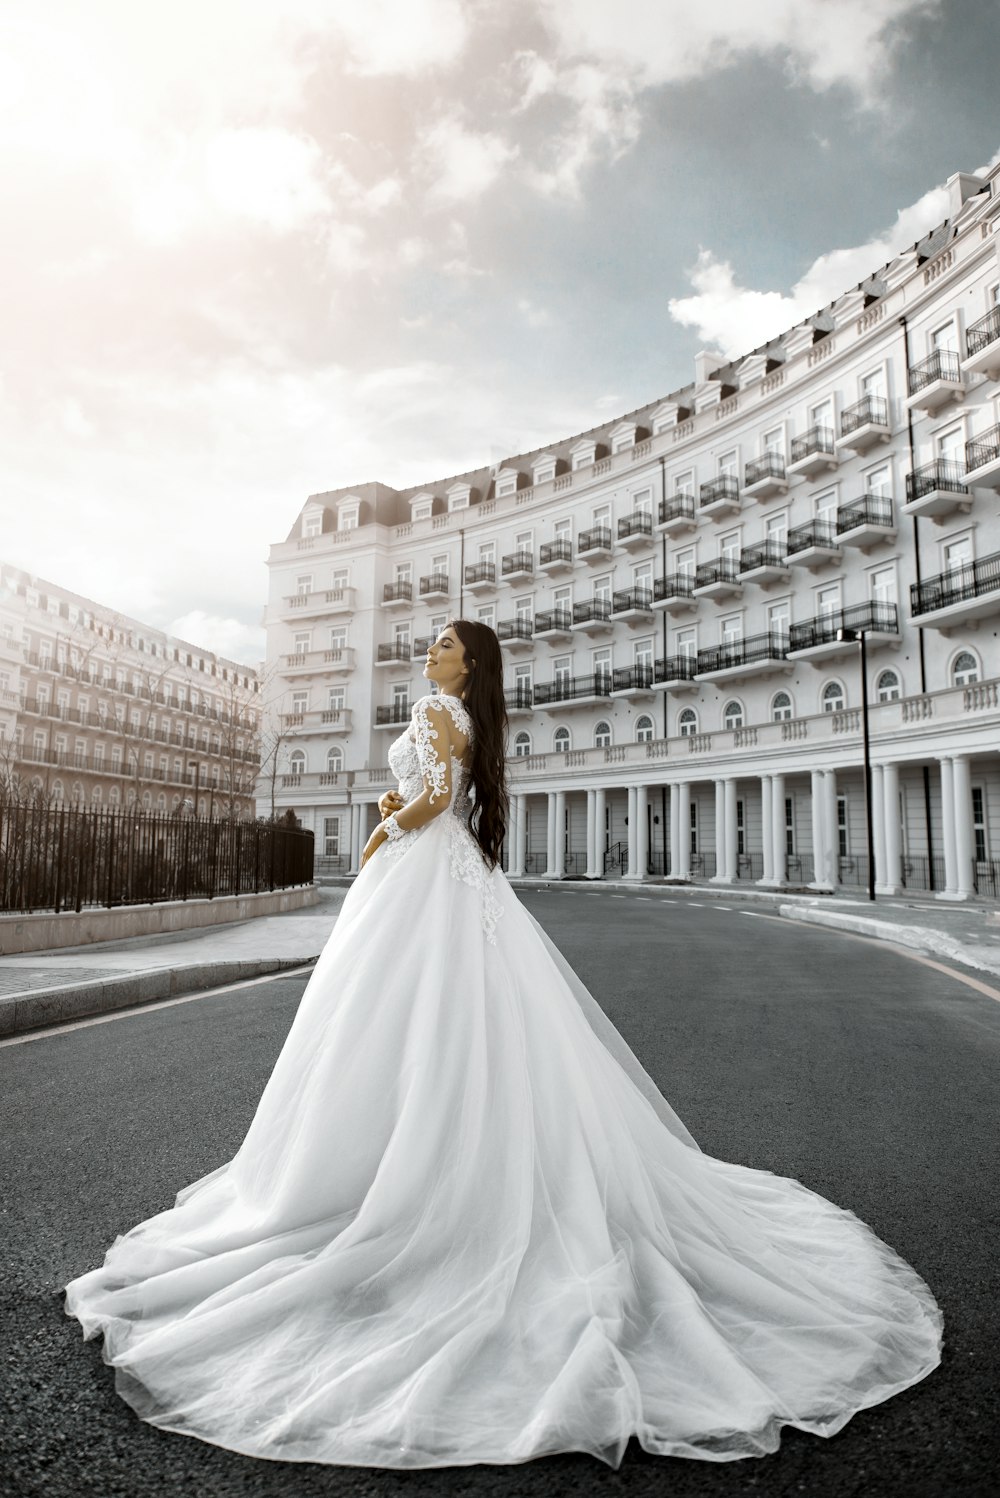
{"x":416,"y":761}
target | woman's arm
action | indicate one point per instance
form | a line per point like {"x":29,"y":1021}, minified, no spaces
{"x":432,"y":731}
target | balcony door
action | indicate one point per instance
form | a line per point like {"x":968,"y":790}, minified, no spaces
{"x":950,"y":445}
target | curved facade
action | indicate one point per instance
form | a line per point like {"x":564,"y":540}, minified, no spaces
{"x":682,"y":597}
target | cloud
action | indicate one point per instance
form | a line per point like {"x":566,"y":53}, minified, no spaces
{"x":230,"y":637}
{"x":400,"y":36}
{"x":461,"y":163}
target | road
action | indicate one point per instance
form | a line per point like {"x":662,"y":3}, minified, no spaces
{"x":870,"y":1076}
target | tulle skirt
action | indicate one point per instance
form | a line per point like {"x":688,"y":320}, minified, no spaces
{"x":464,"y":1226}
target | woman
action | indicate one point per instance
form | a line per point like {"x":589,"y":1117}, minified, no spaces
{"x":464,"y":1225}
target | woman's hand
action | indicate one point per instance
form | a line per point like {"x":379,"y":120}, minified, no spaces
{"x":378,"y":837}
{"x":389,"y":802}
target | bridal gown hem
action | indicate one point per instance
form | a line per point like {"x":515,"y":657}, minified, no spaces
{"x":465,"y":1226}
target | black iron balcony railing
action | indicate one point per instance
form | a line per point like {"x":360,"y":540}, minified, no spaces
{"x":818,"y":439}
{"x":983,"y":449}
{"x":767,"y":466}
{"x":722,"y":570}
{"x":481,"y":572}
{"x":813,"y":533}
{"x":674,"y":585}
{"x":553,"y":619}
{"x":393,"y":591}
{"x":943,"y":474}
{"x":765,"y":554}
{"x":981,"y":334}
{"x":882,"y":618}
{"x":570,"y":688}
{"x":437,"y":582}
{"x":942,"y":365}
{"x":631,"y":678}
{"x":639,"y":523}
{"x":871,"y":509}
{"x":555,"y":551}
{"x":680,"y":505}
{"x":676,"y":668}
{"x":626,"y":599}
{"x":598,"y":539}
{"x":519,"y":696}
{"x":596,"y":610}
{"x":397,"y":651}
{"x":959,"y":585}
{"x":421,"y":644}
{"x":394,"y":712}
{"x":517,"y":561}
{"x":726,"y":486}
{"x":872,"y":410}
{"x":514,"y":629}
{"x":771,"y":646}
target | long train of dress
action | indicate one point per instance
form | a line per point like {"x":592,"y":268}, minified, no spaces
{"x":464,"y":1226}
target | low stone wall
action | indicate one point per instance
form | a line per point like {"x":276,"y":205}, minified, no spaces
{"x":46,"y":931}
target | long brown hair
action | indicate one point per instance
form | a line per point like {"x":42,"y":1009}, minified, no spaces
{"x":485,"y":703}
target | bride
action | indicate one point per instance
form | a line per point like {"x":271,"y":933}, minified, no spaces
{"x":464,"y":1225}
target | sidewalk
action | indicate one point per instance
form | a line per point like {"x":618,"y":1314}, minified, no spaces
{"x":38,"y":989}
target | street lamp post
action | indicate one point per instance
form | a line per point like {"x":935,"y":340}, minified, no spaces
{"x":849,"y":636}
{"x":194,"y":765}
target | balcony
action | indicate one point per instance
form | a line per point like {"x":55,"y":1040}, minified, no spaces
{"x":635,"y":529}
{"x":573,"y":691}
{"x":421,"y":645}
{"x":395,"y":715}
{"x":718,"y":579}
{"x":318,"y":662}
{"x":969,"y":592}
{"x":720,"y":496}
{"x":515,"y":634}
{"x":481,"y":577}
{"x":866,"y":521}
{"x":396,"y":654}
{"x":764,"y":563}
{"x":937,"y":488}
{"x":592,"y":618}
{"x":754,"y":656}
{"x":982,"y":346}
{"x":864,"y":425}
{"x":813,"y":452}
{"x":632,"y":682}
{"x":676,"y":514}
{"x":328,"y":601}
{"x":982,"y":460}
{"x":519,"y":700}
{"x":675,"y":673}
{"x":813,"y":544}
{"x":327,"y":721}
{"x":553,"y":624}
{"x":936,"y":381}
{"x":674,"y":594}
{"x":517,"y":566}
{"x":765,"y":477}
{"x":632,"y":605}
{"x":555,"y":556}
{"x":594,"y":545}
{"x":816,"y":639}
{"x":397,"y":595}
{"x":434,"y":587}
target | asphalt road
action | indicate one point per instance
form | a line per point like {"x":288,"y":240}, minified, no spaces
{"x":870,"y":1076}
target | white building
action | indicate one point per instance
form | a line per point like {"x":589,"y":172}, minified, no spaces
{"x":672,"y":591}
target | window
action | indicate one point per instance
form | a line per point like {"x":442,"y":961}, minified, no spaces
{"x":694,"y":828}
{"x":487,"y":551}
{"x":774,"y":441}
{"x":776,"y":529}
{"x":843,"y":839}
{"x":404,"y":572}
{"x":833,"y":697}
{"x":950,"y":445}
{"x":334,"y":761}
{"x":729,"y":546}
{"x":687,"y":722}
{"x":400,"y":697}
{"x":731,"y":629}
{"x":825,"y":505}
{"x":684,"y":562}
{"x":302,"y":642}
{"x":524,"y":609}
{"x":957,"y":554}
{"x":779,"y":618}
{"x":883,"y":585}
{"x":506,"y":485}
{"x":887,"y":687}
{"x":331,"y":837}
{"x":781,"y":707}
{"x":523,"y":680}
{"x":335,"y":699}
{"x":401,"y":635}
{"x":741,"y":828}
{"x":486,"y":614}
{"x":602,"y":516}
{"x":642,"y":653}
{"x":300,"y":702}
{"x":644,"y":728}
{"x":97,"y":796}
{"x":561,"y":668}
{"x":822,"y":415}
{"x":602,"y":587}
{"x":945,"y":338}
{"x":561,"y":741}
{"x":642,"y":502}
{"x":732,"y":714}
{"x":873,"y":385}
{"x":684,"y":483}
{"x":602,"y":667}
{"x":348,"y":516}
{"x":879,"y":481}
{"x":602,"y":735}
{"x":828,"y":600}
{"x":522,"y":745}
{"x":686,"y":644}
{"x":297,"y":761}
{"x":338,"y":637}
{"x":642,"y":575}
{"x":459,"y":500}
{"x":965,"y":669}
{"x":727,"y":464}
{"x":979,"y":822}
{"x":790,"y":826}
{"x":421,"y":509}
{"x":545,"y":473}
{"x":312,"y":523}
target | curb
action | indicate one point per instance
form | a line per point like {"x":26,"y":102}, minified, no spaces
{"x":42,"y":1007}
{"x":921,"y":938}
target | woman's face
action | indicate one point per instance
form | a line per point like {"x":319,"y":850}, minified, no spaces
{"x":446,"y":663}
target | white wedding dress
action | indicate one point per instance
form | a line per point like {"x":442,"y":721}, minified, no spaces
{"x":464,"y":1225}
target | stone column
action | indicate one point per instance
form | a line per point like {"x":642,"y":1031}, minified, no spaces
{"x":522,"y":834}
{"x":591,"y":836}
{"x":950,"y":891}
{"x":675,"y":847}
{"x":878,"y":825}
{"x":550,"y":831}
{"x":817,"y":806}
{"x":559,"y":865}
{"x":633,"y":834}
{"x":719,"y":877}
{"x":731,"y":830}
{"x":964,"y":840}
{"x":766,"y":838}
{"x":684,"y":830}
{"x":641,"y":832}
{"x":600,"y":811}
{"x":779,"y":875}
{"x":893,"y":848}
{"x":832,"y":870}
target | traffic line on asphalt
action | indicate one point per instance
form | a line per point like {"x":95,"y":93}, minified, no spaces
{"x":187,"y":998}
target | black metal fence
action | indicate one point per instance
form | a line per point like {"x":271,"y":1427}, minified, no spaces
{"x":64,"y":858}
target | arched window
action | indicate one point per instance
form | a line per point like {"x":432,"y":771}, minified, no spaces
{"x":58,"y":794}
{"x":297,"y":762}
{"x":114,"y":796}
{"x":964,"y":669}
{"x":687,"y":722}
{"x":887,"y":686}
{"x":522,"y":745}
{"x":77,"y":793}
{"x":130,"y":796}
{"x":161,"y":801}
{"x":833,"y":697}
{"x":602,"y":735}
{"x":147,"y":800}
{"x":732,"y":714}
{"x":643,"y":728}
{"x":175,"y":801}
{"x":561,"y":741}
{"x":781,"y":707}
{"x":96,"y":796}
{"x":202,"y":806}
{"x":334,"y":760}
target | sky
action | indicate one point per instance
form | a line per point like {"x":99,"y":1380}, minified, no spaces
{"x":252,"y":251}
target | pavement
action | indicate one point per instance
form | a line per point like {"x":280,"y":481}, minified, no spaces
{"x":40,"y":989}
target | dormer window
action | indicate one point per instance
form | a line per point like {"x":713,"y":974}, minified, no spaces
{"x":348,"y":515}
{"x":459,"y":496}
{"x":312,"y":523}
{"x":421,"y":506}
{"x":506,"y":482}
{"x":582,"y":454}
{"x":543,"y":469}
{"x":623,"y":436}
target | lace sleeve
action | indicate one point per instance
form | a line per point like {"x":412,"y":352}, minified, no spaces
{"x":433,"y":747}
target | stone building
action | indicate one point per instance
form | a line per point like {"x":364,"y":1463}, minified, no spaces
{"x":681,"y":595}
{"x":97,"y":709}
